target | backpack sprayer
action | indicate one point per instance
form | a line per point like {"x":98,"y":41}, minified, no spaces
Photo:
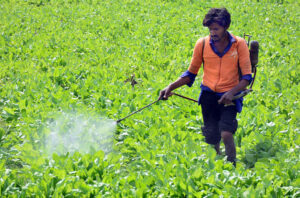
{"x":254,"y":48}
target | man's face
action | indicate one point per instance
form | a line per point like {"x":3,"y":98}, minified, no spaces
{"x":217,"y":32}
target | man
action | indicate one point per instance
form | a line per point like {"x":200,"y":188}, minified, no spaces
{"x":222,"y":55}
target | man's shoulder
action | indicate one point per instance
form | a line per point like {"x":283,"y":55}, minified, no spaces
{"x":201,"y":39}
{"x":238,"y":38}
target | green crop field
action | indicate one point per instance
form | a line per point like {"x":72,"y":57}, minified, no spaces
{"x":66,"y":70}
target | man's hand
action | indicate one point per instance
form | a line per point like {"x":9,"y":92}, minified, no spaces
{"x":165,"y":93}
{"x":226,"y":98}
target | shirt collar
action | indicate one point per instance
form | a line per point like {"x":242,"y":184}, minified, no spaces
{"x":231,"y":39}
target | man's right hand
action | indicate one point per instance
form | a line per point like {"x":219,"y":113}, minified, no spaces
{"x":165,"y":93}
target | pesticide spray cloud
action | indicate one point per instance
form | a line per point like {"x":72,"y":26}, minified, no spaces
{"x":73,"y":132}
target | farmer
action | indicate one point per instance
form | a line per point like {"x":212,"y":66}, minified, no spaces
{"x":220,"y":53}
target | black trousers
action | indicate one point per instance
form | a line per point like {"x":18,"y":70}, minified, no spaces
{"x":216,"y":117}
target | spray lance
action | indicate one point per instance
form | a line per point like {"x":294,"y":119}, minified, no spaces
{"x":118,"y":121}
{"x":254,"y":48}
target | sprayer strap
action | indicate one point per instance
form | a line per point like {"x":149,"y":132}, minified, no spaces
{"x":203,"y":45}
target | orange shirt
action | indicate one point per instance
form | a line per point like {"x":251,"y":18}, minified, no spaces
{"x":221,"y":73}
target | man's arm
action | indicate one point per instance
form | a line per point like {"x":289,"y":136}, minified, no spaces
{"x":188,"y":77}
{"x":245,"y":66}
{"x":228,"y":96}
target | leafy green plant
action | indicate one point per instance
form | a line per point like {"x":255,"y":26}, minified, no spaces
{"x":63,"y":56}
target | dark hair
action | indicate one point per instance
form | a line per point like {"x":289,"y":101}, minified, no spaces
{"x":217,"y":15}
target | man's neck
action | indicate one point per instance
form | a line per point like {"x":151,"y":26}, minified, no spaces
{"x":223,"y":41}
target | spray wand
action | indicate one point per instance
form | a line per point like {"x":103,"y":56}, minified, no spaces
{"x":118,"y":121}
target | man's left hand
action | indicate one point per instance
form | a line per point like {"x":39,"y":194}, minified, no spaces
{"x":226,"y":98}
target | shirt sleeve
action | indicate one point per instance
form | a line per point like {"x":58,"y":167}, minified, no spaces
{"x":196,"y":61}
{"x":191,"y":76}
{"x":247,"y":77}
{"x":244,"y":57}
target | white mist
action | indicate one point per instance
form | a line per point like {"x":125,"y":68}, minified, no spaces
{"x":72,"y":132}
